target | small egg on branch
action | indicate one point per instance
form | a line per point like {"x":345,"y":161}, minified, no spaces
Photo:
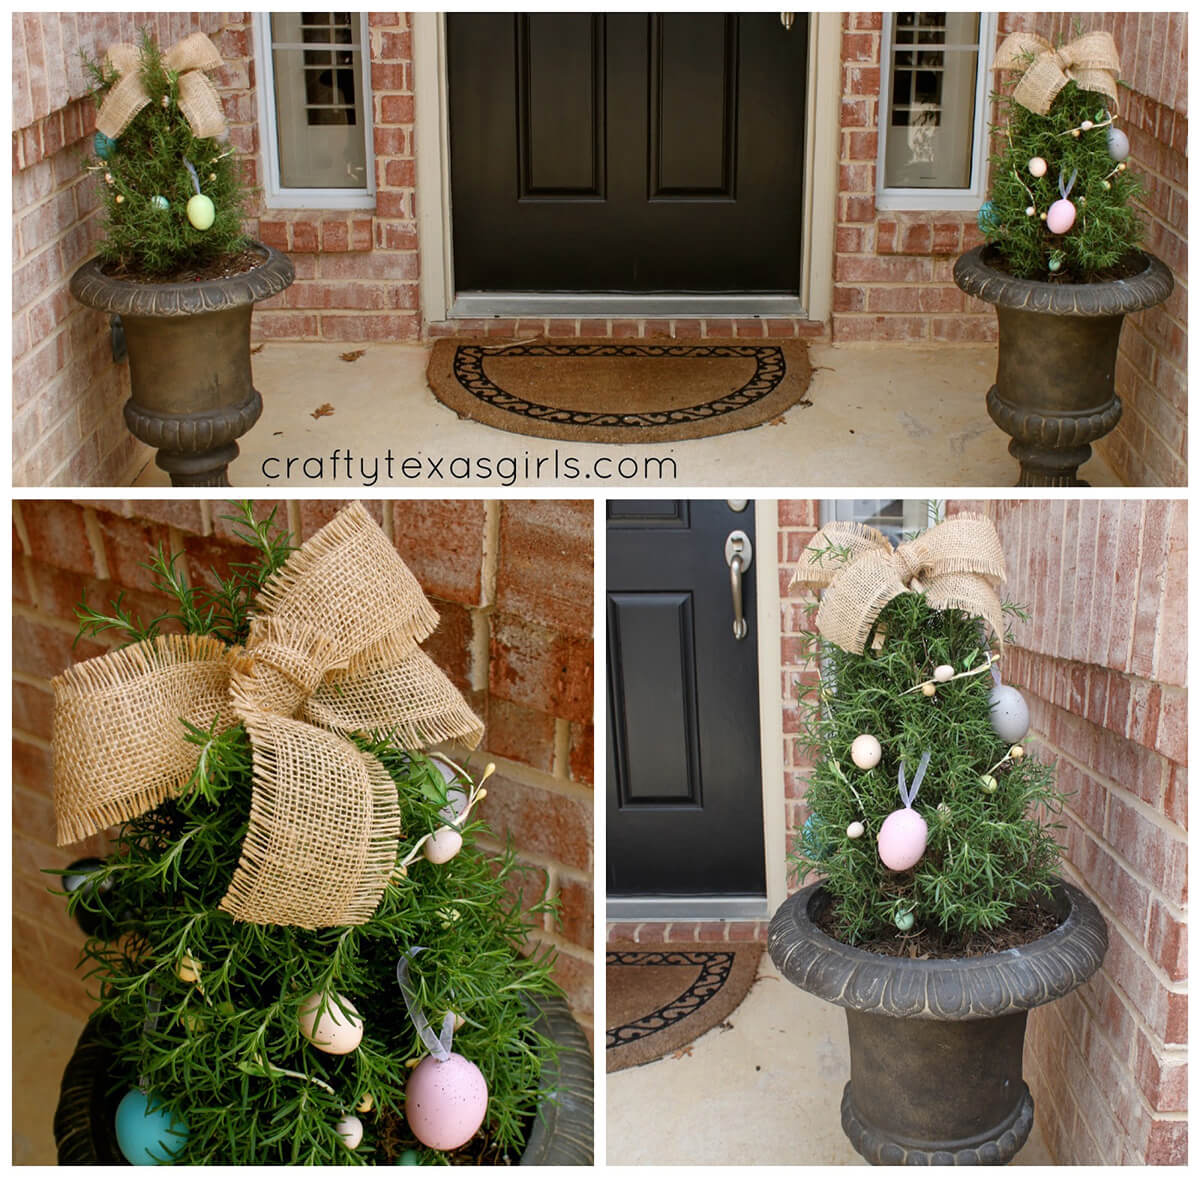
{"x":1016,"y":752}
{"x":855,"y":830}
{"x":989,"y":783}
{"x":350,"y":1130}
{"x":865,"y":751}
{"x":1037,"y":167}
{"x":904,"y":921}
{"x":928,"y":690}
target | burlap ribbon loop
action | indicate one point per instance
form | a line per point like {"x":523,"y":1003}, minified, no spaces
{"x":332,"y":651}
{"x":198,"y":98}
{"x":958,"y":564}
{"x":1090,"y":61}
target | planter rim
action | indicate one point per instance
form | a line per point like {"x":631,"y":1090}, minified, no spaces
{"x":162,"y":300}
{"x":976,"y":276}
{"x":945,"y":989}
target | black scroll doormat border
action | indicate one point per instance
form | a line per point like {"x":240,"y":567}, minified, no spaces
{"x":719,"y":977}
{"x":457,"y":375}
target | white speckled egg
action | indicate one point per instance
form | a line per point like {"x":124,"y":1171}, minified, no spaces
{"x":338,"y":1031}
{"x":443,"y":845}
{"x":350,"y":1130}
{"x":865,"y":751}
{"x":855,"y":830}
{"x":1010,"y":713}
{"x":902,"y":839}
{"x":445,"y":1102}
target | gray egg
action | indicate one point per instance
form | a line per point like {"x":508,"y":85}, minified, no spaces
{"x":1010,"y":713}
{"x":1118,"y":144}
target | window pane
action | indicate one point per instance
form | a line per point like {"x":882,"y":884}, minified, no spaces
{"x":319,"y":98}
{"x":929,"y":124}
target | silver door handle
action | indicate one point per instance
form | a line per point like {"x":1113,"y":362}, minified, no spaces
{"x":739,"y":555}
{"x":787,"y":19}
{"x":735,"y":586}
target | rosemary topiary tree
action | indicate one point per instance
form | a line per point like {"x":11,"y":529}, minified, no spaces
{"x":927,"y":817}
{"x":241,"y":1041}
{"x":173,"y":195}
{"x":1062,"y":199}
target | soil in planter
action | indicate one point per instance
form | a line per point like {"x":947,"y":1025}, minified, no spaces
{"x":1025,"y":924}
{"x":394,"y":1137}
{"x":1128,"y":267}
{"x":226,"y":266}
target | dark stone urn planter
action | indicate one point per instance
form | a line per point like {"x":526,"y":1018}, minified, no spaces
{"x":1058,"y":352}
{"x":561,"y":1135}
{"x":189,"y":361}
{"x":935,"y":1046}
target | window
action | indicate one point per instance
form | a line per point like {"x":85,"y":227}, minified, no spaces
{"x":933,"y":109}
{"x":315,"y":112}
{"x":895,"y":518}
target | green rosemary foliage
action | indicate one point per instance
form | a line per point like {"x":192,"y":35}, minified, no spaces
{"x":986,"y":852}
{"x":147,"y":161}
{"x":226,"y":1052}
{"x":1107,"y":226}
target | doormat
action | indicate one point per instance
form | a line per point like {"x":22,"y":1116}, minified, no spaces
{"x":661,"y":997}
{"x":603,"y":390}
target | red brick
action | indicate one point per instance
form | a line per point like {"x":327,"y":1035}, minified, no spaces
{"x":543,"y":670}
{"x":545,"y":563}
{"x":1168,"y":1144}
{"x":575,"y":976}
{"x":44,"y":651}
{"x":450,"y":647}
{"x":57,"y":534}
{"x":580,"y":755}
{"x":304,"y":236}
{"x":578,"y":906}
{"x":442,"y":541}
{"x":32,"y":710}
{"x":335,"y":235}
{"x":520,"y":734}
{"x":395,"y":108}
{"x":542,"y":823}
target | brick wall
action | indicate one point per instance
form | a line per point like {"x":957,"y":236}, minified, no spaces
{"x":1103,"y":665}
{"x":893,"y":270}
{"x":67,"y":392}
{"x":512,"y":583}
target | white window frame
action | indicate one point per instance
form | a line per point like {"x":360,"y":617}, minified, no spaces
{"x":967,"y":199}
{"x":275,"y":195}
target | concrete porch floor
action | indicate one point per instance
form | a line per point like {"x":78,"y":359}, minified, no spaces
{"x":882,"y":415}
{"x":766,"y":1092}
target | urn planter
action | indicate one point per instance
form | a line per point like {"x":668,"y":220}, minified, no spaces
{"x":935,"y":1045}
{"x":561,"y":1133}
{"x":191,"y":390}
{"x":1054,"y":391}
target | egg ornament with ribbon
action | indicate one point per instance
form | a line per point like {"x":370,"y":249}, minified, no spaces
{"x":201,"y":212}
{"x":902,"y":837}
{"x":147,"y":1134}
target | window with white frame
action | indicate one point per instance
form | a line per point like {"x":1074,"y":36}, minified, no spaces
{"x":933,"y":109}
{"x":895,"y":518}
{"x":315,"y":110}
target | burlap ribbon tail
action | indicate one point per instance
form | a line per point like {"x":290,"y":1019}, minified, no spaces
{"x":957,"y":565}
{"x":1090,"y":61}
{"x":332,"y":651}
{"x":198,"y":98}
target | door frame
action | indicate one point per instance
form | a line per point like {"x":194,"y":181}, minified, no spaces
{"x":770,"y":733}
{"x":435,"y":236}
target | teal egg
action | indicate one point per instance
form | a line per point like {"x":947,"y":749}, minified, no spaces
{"x":160,"y":203}
{"x":812,"y":838}
{"x":103,"y":145}
{"x":986,"y":219}
{"x":409,"y":1158}
{"x":147,"y":1134}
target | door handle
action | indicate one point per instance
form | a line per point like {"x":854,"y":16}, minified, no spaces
{"x":739,"y":555}
{"x":787,"y":19}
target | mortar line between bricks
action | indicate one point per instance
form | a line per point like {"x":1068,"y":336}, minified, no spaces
{"x":35,"y":615}
{"x":22,"y":530}
{"x":530,"y":858}
{"x":91,"y":526}
{"x":535,"y":777}
{"x":1173,"y":829}
{"x":28,"y":680}
{"x":559,"y":942}
{"x":29,"y":738}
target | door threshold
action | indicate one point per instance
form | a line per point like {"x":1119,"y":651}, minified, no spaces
{"x":475,"y":304}
{"x":671,"y":908}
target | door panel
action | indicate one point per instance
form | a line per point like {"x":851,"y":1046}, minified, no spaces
{"x":684,"y":777}
{"x":626,"y":152}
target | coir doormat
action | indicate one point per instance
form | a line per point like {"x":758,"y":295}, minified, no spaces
{"x":603,"y":390}
{"x":661,"y":997}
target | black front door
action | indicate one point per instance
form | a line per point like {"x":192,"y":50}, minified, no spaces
{"x":627,"y":152}
{"x":684,"y":778}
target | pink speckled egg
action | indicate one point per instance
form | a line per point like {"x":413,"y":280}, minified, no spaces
{"x":1060,"y":216}
{"x":445,"y":1102}
{"x":902,"y":839}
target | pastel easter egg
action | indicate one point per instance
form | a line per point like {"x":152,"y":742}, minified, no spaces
{"x":865,"y":751}
{"x":902,"y":839}
{"x":442,"y":845}
{"x":1118,"y":144}
{"x":147,"y":1134}
{"x":1037,"y":167}
{"x":338,"y":1030}
{"x":201,"y":212}
{"x":1060,"y":216}
{"x":445,"y":1101}
{"x":1009,"y":713}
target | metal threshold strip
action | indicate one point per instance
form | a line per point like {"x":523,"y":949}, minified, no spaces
{"x":670,"y":908}
{"x":517,"y":304}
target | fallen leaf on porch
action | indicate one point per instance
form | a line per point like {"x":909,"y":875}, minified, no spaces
{"x":254,"y":351}
{"x":325,"y":410}
{"x":682,"y":1052}
{"x":350,"y":357}
{"x":277,"y":434}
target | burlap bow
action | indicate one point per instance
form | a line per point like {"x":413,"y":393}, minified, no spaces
{"x":1089,"y":61}
{"x":957,"y":564}
{"x":198,"y":98}
{"x":332,"y":651}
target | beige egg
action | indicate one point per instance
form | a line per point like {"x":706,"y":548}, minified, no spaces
{"x":443,"y":845}
{"x":338,"y":1031}
{"x":944,"y":673}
